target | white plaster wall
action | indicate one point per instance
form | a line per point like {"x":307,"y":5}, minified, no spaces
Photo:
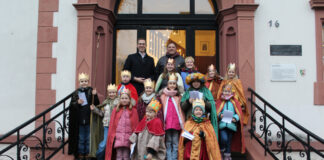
{"x":64,"y":50}
{"x":18,"y":42}
{"x":297,"y":27}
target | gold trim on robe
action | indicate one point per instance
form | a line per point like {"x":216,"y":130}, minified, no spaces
{"x":210,"y":138}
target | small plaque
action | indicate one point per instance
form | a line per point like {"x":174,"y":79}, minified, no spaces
{"x":285,"y":50}
{"x":283,"y":73}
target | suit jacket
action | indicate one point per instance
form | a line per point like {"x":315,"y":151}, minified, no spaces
{"x":140,"y":67}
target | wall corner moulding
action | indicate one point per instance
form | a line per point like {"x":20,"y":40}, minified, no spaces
{"x":318,"y":6}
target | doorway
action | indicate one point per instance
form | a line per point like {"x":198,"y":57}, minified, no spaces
{"x":192,"y":28}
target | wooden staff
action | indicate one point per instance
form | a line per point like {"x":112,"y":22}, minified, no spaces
{"x":96,"y":59}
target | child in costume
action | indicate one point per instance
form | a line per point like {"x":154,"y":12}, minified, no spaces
{"x":237,"y":88}
{"x":204,"y":145}
{"x":125,"y":83}
{"x":123,"y":120}
{"x":145,"y":99}
{"x":173,"y":116}
{"x":188,"y":69}
{"x":148,"y":136}
{"x":213,"y":80}
{"x":79,"y":117}
{"x":231,"y":133}
{"x":162,"y":81}
{"x":104,"y":110}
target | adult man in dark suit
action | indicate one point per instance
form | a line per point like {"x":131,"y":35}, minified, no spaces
{"x":140,"y":65}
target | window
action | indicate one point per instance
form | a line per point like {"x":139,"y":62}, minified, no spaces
{"x":127,"y":7}
{"x":166,"y":6}
{"x":125,"y":44}
{"x":204,"y":7}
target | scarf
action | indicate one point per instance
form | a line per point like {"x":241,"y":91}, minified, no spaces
{"x":169,"y":92}
{"x":189,"y":70}
{"x":226,"y":98}
{"x":172,"y":55}
{"x":147,"y":99}
{"x":198,"y":119}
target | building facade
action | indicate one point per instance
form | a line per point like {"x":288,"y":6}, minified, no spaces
{"x":46,"y":43}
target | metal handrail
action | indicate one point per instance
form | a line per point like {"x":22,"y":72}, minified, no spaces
{"x":43,"y":141}
{"x":281,"y":134}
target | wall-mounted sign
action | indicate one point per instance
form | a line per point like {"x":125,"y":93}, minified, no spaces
{"x":285,"y":50}
{"x":283,"y":73}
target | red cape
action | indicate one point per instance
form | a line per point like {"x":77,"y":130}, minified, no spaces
{"x":154,"y":126}
{"x":132,"y":89}
{"x":114,"y":119}
{"x":238,"y":144}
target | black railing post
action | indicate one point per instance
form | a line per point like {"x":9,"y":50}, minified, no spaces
{"x":284,"y":139}
{"x":265,"y":128}
{"x":251,"y":100}
{"x":63,"y":129}
{"x":44,"y":138}
{"x":18,"y":145}
{"x":308,"y":147}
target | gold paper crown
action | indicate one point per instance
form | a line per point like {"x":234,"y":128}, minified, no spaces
{"x":148,"y":82}
{"x":198,"y":102}
{"x":155,"y":105}
{"x":83,"y":76}
{"x":228,"y":87}
{"x":170,"y":60}
{"x":231,"y":66}
{"x":173,"y":77}
{"x":125,"y":91}
{"x":211,"y":67}
{"x":126,"y":73}
{"x":111,"y":87}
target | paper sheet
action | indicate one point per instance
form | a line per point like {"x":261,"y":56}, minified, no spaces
{"x":132,"y":147}
{"x":187,"y":135}
{"x":227,"y":116}
{"x":196,"y":95}
{"x":83,"y":97}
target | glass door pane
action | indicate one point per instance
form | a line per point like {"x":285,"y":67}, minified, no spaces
{"x":205,"y":49}
{"x":157,"y":41}
{"x":125,"y":45}
{"x":166,"y":6}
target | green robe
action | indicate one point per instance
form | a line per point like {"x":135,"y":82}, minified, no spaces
{"x":96,"y":129}
{"x":96,"y":133}
{"x":208,"y":97}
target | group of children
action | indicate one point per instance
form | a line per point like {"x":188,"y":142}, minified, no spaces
{"x":183,"y":116}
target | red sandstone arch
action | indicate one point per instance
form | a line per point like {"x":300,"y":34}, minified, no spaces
{"x":238,"y":14}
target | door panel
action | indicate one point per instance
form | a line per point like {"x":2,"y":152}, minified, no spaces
{"x":205,"y":49}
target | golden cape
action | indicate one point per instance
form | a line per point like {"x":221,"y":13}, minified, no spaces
{"x":237,"y":89}
{"x":210,"y":138}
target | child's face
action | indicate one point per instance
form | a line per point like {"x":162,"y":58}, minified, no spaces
{"x":112,"y":94}
{"x":148,"y":90}
{"x":211,"y":73}
{"x":172,"y":85}
{"x":196,"y":84}
{"x":189,"y":64}
{"x":84,"y":83}
{"x":150,"y":114}
{"x":231,"y":74}
{"x":170,"y":67}
{"x":198,"y":112}
{"x":124,"y":99}
{"x":125,"y":78}
{"x":227,"y":91}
